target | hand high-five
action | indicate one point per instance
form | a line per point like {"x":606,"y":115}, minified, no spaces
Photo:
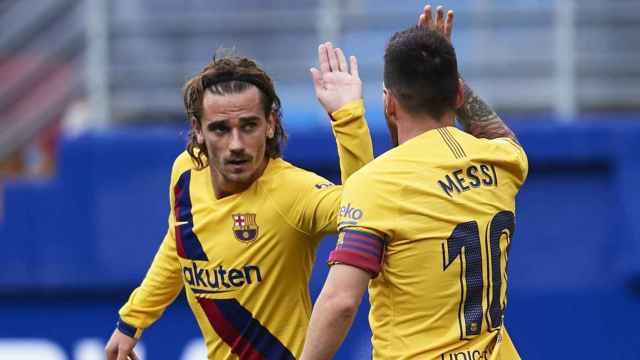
{"x":336,"y":83}
{"x":440,"y":24}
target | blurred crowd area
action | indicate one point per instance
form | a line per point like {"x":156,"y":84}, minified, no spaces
{"x":68,"y":66}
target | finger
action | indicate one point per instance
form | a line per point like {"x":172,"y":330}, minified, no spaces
{"x":111,"y":352}
{"x":333,"y":59}
{"x":425,"y":18}
{"x":323,"y":59}
{"x":354,"y":67}
{"x":316,"y":76}
{"x":342,"y":61}
{"x":440,"y":19}
{"x":133,"y":356}
{"x":448,"y":26}
{"x":122,"y":355}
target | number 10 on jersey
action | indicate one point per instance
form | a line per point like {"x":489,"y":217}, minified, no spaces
{"x":477,"y":270}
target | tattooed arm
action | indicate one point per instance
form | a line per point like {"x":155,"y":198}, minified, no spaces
{"x":479,"y":119}
{"x":475,"y":115}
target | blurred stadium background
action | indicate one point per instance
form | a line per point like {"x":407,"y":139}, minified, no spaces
{"x":91,"y":119}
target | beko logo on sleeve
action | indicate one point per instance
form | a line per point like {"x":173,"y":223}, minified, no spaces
{"x":350,"y":212}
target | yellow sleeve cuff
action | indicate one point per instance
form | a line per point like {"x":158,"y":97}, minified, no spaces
{"x":348,"y":112}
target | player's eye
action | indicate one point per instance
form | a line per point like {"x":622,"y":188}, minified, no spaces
{"x":218,"y":128}
{"x":249,"y":127}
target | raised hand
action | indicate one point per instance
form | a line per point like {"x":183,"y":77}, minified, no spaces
{"x":440,"y":24}
{"x":476,"y":117}
{"x":336,"y":83}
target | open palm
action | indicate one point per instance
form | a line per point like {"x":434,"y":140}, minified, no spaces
{"x":440,"y":24}
{"x":337,"y":82}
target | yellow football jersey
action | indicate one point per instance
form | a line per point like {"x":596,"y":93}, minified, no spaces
{"x":432,"y":220}
{"x":245,"y":260}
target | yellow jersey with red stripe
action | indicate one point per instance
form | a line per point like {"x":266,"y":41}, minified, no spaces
{"x":432,"y":221}
{"x":245,"y":260}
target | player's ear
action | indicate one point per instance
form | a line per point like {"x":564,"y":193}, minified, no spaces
{"x":460,"y":94}
{"x":195,"y":125}
{"x":389,"y":102}
{"x":271,"y":125}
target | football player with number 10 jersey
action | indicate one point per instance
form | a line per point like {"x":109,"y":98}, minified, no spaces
{"x":426,"y":226}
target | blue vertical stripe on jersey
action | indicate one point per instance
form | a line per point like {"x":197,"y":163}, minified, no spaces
{"x":187,"y":242}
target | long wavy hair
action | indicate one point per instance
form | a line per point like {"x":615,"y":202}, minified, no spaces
{"x":231,"y":74}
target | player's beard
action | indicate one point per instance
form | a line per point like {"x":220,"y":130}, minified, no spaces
{"x":393,"y":129}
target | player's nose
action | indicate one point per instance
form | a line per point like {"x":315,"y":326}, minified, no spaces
{"x":236,"y":143}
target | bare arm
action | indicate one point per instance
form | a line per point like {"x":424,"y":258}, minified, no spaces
{"x":479,"y":119}
{"x":475,"y":115}
{"x":334,"y":311}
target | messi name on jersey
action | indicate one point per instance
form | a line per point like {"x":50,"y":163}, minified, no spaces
{"x":244,"y":227}
{"x":470,"y":178}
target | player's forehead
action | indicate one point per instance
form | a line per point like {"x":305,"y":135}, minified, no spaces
{"x":233,"y":106}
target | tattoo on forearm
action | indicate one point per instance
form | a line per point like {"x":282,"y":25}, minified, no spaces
{"x":479,"y":119}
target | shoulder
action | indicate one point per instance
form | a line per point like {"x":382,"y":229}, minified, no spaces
{"x":504,"y":150}
{"x":375,"y":182}
{"x":510,"y":151}
{"x":295,"y":193}
{"x":501,"y":144}
{"x":292,"y":178}
{"x":506,"y":144}
{"x":288,"y":185}
{"x":370,"y":197}
{"x":387,"y":167}
{"x":181,"y":164}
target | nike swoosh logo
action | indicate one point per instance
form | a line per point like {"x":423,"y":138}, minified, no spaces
{"x":179,"y":223}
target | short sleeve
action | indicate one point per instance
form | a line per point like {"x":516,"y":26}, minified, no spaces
{"x":367,"y":203}
{"x":365,"y":224}
{"x":523,"y":161}
{"x":513,"y":153}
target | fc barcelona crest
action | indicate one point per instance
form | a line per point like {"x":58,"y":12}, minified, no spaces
{"x":245,"y":228}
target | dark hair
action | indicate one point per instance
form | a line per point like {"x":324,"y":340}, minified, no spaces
{"x":231,"y":74}
{"x":421,"y":70}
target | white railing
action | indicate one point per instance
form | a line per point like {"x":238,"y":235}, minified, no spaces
{"x":556,"y":57}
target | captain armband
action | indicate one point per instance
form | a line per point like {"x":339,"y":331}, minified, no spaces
{"x":359,"y":249}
